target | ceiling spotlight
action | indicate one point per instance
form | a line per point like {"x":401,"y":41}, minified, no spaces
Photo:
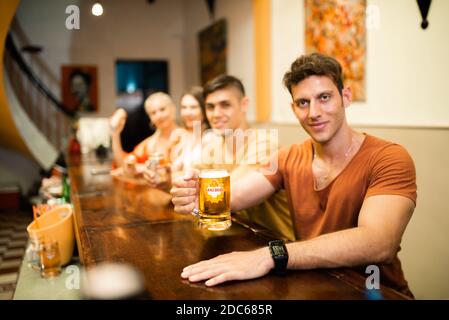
{"x":97,"y":9}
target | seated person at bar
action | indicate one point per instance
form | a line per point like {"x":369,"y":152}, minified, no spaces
{"x":351,"y":194}
{"x":188,"y":149}
{"x":193,"y":112}
{"x":226,"y":108}
{"x":161,"y":110}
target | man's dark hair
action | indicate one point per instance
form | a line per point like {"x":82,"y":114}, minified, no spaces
{"x":221,"y":82}
{"x":315,"y":64}
{"x":77,"y":72}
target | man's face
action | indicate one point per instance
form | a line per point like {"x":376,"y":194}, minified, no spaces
{"x":79,"y":87}
{"x":319,"y":107}
{"x":226,"y":109}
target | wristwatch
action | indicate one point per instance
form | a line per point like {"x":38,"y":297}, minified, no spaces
{"x":280,"y":256}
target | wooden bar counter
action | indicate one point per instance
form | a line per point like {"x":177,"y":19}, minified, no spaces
{"x":123,"y":222}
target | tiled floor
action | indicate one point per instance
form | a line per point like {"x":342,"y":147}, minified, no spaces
{"x":13,"y":240}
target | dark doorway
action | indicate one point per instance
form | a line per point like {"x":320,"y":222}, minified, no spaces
{"x":135,"y":81}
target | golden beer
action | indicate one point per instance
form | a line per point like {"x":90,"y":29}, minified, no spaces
{"x":215,"y":199}
{"x":50,"y":259}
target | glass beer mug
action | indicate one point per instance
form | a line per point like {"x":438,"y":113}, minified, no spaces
{"x":50,"y":258}
{"x":214,"y":200}
{"x":158,"y":165}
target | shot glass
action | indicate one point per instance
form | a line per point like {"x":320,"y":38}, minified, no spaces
{"x":32,"y":254}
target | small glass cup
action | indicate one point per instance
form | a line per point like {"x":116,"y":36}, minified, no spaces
{"x":129,"y":166}
{"x":33,"y":254}
{"x":50,"y":259}
{"x":158,"y":165}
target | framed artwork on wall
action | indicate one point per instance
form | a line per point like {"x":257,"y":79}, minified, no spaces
{"x":213,"y":50}
{"x":79,"y":88}
{"x":337,"y":28}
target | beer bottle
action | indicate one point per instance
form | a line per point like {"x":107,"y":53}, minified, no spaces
{"x":74,"y":144}
{"x":65,"y":188}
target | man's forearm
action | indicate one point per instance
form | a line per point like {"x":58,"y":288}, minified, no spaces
{"x":249,"y":190}
{"x":346,"y":248}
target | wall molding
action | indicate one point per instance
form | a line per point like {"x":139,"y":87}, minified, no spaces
{"x":262,"y":58}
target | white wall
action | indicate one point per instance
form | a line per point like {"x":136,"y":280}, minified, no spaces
{"x":126,"y":30}
{"x":406,"y":67}
{"x":196,"y":18}
{"x":240,"y":63}
{"x":287,"y":44}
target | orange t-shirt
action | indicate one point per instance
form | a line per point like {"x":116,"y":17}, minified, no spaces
{"x":141,"y":151}
{"x":378,"y":168}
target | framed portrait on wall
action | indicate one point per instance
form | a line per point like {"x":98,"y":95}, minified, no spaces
{"x":213,"y":50}
{"x":79,"y":88}
{"x":337,"y":28}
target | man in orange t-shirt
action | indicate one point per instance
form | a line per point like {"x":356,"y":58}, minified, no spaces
{"x":351,"y":195}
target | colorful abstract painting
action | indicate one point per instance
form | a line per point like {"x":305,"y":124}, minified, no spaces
{"x":213,"y":46}
{"x":337,"y":28}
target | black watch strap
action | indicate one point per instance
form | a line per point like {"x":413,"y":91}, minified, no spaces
{"x":279,"y":254}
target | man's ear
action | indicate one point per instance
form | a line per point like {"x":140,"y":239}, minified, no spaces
{"x":244,"y":103}
{"x":292,"y":105}
{"x":346,"y":96}
{"x":292,"y":102}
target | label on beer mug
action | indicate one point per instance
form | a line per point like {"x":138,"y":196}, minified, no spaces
{"x":214,"y":191}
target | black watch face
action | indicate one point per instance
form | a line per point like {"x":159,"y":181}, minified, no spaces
{"x":278,"y":250}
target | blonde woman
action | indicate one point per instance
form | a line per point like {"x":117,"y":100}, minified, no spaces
{"x":161,"y":110}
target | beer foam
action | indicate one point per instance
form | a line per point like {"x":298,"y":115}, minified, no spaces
{"x":214,"y":174}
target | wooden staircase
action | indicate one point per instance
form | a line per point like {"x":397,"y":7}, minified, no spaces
{"x":34,"y":122}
